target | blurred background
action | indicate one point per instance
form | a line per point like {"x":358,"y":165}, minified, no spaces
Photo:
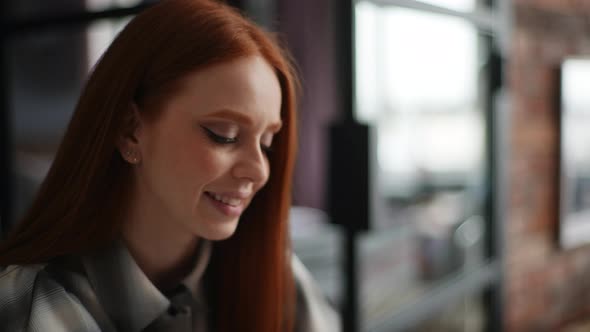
{"x":470,"y":182}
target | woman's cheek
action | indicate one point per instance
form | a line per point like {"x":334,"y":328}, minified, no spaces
{"x":210,"y":159}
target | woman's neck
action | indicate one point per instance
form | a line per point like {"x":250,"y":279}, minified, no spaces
{"x":165,"y":254}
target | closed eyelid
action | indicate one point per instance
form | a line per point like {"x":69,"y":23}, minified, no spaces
{"x":223,"y":129}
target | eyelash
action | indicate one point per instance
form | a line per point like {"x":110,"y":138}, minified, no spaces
{"x":218,"y":138}
{"x":230,"y":140}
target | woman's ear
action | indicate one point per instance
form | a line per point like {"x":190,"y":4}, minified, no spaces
{"x":128,"y":142}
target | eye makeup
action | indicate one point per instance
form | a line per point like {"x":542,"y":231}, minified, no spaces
{"x":217,"y":138}
{"x":228,"y":133}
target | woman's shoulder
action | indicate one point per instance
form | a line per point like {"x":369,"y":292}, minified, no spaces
{"x":31,"y":299}
{"x":17,"y":283}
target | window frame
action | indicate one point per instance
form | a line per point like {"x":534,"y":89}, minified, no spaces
{"x":493,"y":23}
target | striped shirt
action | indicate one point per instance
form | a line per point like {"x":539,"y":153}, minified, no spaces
{"x":108,"y":292}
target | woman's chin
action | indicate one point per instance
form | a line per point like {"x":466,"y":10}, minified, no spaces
{"x":219,"y":232}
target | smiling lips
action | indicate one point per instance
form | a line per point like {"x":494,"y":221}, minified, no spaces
{"x":230,"y":204}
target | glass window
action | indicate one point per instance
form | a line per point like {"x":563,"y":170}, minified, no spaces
{"x":421,"y":85}
{"x":575,"y":121}
{"x":468,"y":315}
{"x":317,"y":244}
{"x":98,"y":5}
{"x":462,"y":5}
{"x":458,"y":5}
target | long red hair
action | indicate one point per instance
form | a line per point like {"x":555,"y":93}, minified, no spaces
{"x":81,"y":204}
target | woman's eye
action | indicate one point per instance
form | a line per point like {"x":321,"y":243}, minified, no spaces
{"x":219,"y":138}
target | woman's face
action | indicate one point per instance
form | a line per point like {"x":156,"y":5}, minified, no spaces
{"x":205,"y":156}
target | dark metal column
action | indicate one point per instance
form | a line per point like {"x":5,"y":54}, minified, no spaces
{"x":492,"y":295}
{"x":350,"y":319}
{"x":6,"y":180}
{"x":344,"y":31}
{"x":348,"y":201}
{"x":349,"y":164}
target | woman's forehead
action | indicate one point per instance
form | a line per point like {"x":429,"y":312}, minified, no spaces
{"x":247,"y":85}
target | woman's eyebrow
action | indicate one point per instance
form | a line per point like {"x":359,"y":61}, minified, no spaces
{"x":243,"y":119}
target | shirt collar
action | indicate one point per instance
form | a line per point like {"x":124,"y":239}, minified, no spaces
{"x":193,"y":280}
{"x":127,"y":295}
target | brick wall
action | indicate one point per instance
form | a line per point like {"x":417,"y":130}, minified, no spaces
{"x":545,"y":286}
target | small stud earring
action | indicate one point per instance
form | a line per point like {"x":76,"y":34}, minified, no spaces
{"x":131,"y":157}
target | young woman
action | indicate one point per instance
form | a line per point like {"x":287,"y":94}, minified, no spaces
{"x":166,"y":206}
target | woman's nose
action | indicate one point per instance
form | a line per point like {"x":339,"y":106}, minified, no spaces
{"x":252,"y":165}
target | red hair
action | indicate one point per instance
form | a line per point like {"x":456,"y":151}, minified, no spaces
{"x":81,"y":204}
